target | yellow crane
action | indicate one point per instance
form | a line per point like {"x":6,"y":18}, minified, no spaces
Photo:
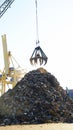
{"x":10,"y":75}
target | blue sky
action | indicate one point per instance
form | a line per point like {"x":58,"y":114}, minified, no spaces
{"x":55,"y":19}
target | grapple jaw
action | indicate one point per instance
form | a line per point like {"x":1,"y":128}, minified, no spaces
{"x":38,"y":57}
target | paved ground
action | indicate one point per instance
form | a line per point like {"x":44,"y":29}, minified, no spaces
{"x":59,"y":126}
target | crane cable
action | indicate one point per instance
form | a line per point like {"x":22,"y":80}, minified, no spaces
{"x":37,"y":34}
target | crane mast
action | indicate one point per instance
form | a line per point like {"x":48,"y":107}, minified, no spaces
{"x":5,"y":52}
{"x":4,"y":6}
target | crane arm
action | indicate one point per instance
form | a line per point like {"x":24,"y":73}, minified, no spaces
{"x":4,"y":6}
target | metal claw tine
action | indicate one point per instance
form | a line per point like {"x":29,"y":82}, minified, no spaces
{"x":45,"y":61}
{"x":41,"y":61}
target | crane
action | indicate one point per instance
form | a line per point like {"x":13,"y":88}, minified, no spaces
{"x":38,"y":56}
{"x":4,"y":6}
{"x":12,"y":72}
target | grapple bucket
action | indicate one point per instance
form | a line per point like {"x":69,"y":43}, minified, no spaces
{"x":38,"y":57}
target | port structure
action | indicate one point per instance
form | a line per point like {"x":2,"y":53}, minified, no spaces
{"x":11,"y":74}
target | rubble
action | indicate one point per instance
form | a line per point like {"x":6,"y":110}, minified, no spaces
{"x":37,"y":98}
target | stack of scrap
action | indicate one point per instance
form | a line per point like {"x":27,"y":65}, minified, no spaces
{"x":37,"y":98}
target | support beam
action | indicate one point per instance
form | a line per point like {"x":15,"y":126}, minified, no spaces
{"x":5,"y":53}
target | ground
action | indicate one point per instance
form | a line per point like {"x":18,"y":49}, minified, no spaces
{"x":51,"y":126}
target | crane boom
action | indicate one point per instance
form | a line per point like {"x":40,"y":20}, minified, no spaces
{"x":4,"y":6}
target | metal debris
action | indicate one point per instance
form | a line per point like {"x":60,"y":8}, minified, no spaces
{"x":37,"y":98}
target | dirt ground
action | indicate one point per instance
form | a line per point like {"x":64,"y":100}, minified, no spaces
{"x":51,"y":126}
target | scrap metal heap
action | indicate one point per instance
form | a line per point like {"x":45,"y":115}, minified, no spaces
{"x":37,"y":98}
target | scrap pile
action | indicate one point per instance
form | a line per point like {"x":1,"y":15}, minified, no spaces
{"x":37,"y":98}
